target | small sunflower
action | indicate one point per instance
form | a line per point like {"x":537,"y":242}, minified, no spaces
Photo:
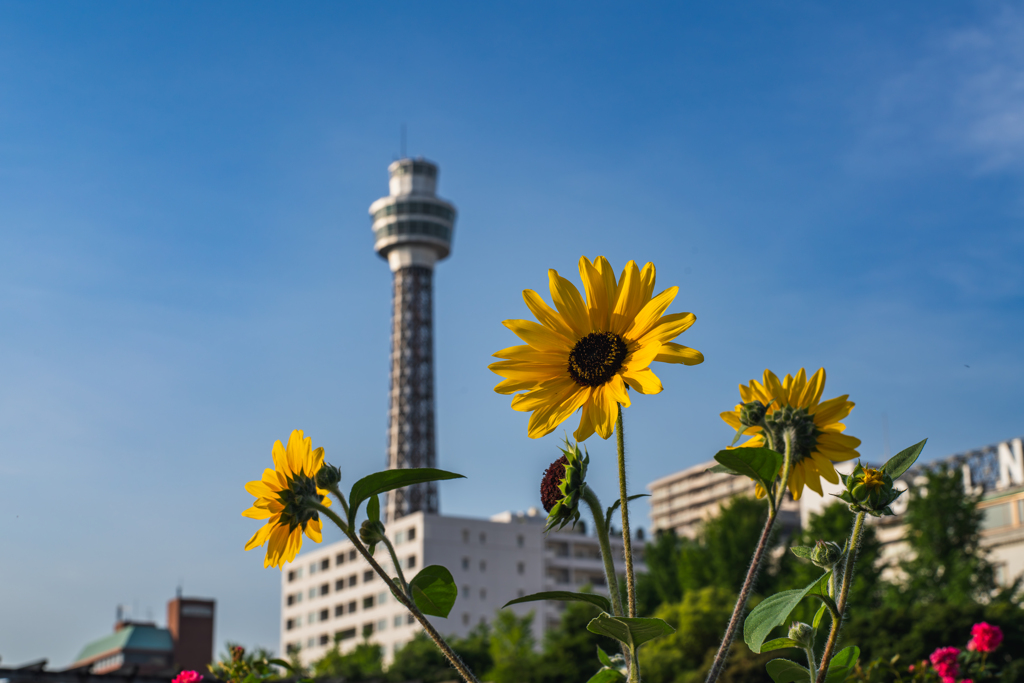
{"x":795,"y":404}
{"x":282,"y":498}
{"x":584,"y":354}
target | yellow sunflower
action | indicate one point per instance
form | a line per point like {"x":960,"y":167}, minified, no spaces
{"x":584,"y":354}
{"x":795,"y":404}
{"x":282,"y":498}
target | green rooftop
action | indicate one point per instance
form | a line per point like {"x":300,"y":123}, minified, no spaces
{"x":131,"y":637}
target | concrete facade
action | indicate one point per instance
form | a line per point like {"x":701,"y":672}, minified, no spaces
{"x":333,"y":593}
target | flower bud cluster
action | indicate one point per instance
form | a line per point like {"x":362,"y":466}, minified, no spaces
{"x":371,"y":532}
{"x":826,"y":554}
{"x":869,"y":490}
{"x":802,"y":634}
{"x":562,"y":487}
{"x":328,"y":476}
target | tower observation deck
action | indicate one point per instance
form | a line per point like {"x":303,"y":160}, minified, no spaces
{"x":412,"y":229}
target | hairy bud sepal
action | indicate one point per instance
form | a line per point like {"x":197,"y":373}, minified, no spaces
{"x":328,"y":477}
{"x":823,"y":554}
{"x":562,"y":487}
{"x":371,"y":532}
{"x":869,"y":490}
{"x":802,"y":634}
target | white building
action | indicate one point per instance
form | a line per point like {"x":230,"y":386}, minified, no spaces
{"x":333,"y":593}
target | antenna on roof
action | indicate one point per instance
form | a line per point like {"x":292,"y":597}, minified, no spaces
{"x":177,"y":591}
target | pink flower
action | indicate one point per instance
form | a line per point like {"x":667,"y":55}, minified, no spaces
{"x":985,"y":637}
{"x":188,"y":677}
{"x":944,"y":661}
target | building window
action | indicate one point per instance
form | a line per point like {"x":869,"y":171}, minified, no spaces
{"x":411,"y":534}
{"x":398,"y":620}
{"x":298,"y":597}
{"x":520,"y":593}
{"x":368,"y":602}
{"x":311,"y":618}
{"x":465,"y":535}
{"x":324,"y":639}
{"x":409,"y":618}
{"x":340,"y":609}
{"x":368,"y":576}
{"x":352,"y":607}
{"x":312,"y":593}
{"x":311,"y":642}
{"x":339,"y":585}
{"x":483,"y":565}
{"x":324,"y":615}
{"x":996,"y":516}
{"x":465,"y":619}
{"x":483,"y":593}
{"x":291,"y":648}
{"x":520,"y":540}
{"x":291,"y":576}
{"x":291,"y":600}
{"x":382,"y":624}
{"x":410,"y":562}
{"x":399,"y":538}
{"x":325,"y":589}
{"x":312,"y":568}
{"x":289,"y":625}
{"x":382,"y":598}
{"x":483,"y":538}
{"x":521,"y":567}
{"x":352,"y":580}
{"x":325,"y":564}
{"x":351,"y":555}
{"x":367,"y":630}
{"x":346,"y":634}
{"x":340,"y":559}
{"x":466,"y":591}
{"x":465,"y":563}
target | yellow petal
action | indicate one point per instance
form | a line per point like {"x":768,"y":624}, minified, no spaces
{"x":825,"y":468}
{"x":628,"y":299}
{"x":812,"y":392}
{"x":644,"y":381}
{"x":606,"y":410}
{"x":832,"y":410}
{"x":297,"y":448}
{"x":260,"y":537}
{"x":671,"y":352}
{"x":796,"y":482}
{"x":546,"y":393}
{"x":587,"y":421}
{"x":511,"y":386}
{"x":650,"y":314}
{"x":570,"y":304}
{"x":260,"y":489}
{"x":598,"y":305}
{"x":527,"y":353}
{"x":669,"y":327}
{"x":256,"y":513}
{"x":539,"y":337}
{"x":513,"y":369}
{"x":810,"y":474}
{"x":280,"y":457}
{"x":731,"y":418}
{"x":314,"y":530}
{"x":616,"y":387}
{"x":545,"y":418}
{"x":546,"y":315}
{"x":647,"y":276}
{"x":641,"y":357}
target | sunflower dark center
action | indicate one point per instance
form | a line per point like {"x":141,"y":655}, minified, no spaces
{"x":553,"y":476}
{"x":596,"y":358}
{"x":296,"y":498}
{"x":799,"y":424}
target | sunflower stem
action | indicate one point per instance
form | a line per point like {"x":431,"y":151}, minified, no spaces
{"x":407,"y":602}
{"x":592,"y":501}
{"x":752,"y":571}
{"x":341,"y":499}
{"x":844,"y":592}
{"x":398,"y":566}
{"x":627,"y":545}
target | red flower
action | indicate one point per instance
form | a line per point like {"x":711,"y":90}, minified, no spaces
{"x":944,"y":661}
{"x":985,"y":637}
{"x":188,"y":677}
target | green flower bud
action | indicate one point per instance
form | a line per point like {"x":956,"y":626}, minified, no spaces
{"x":371,"y":532}
{"x":328,"y":476}
{"x":752,"y":414}
{"x":826,"y":554}
{"x":562,"y":487}
{"x":802,"y":634}
{"x":870,"y":490}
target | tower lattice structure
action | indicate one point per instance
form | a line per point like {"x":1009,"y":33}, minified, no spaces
{"x":412,"y":230}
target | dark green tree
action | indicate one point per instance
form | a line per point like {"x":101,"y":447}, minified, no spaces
{"x":946,"y":562}
{"x":570,"y":651}
{"x":361,"y":664}
{"x":512,"y":653}
{"x":420,"y":660}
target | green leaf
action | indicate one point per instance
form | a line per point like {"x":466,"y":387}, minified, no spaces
{"x":785,"y":671}
{"x":842,"y":664}
{"x":603,"y":657}
{"x":607,"y":676}
{"x":722,"y":469}
{"x":281,"y":663}
{"x":779,"y":644}
{"x":818,"y":615}
{"x":434,"y":590}
{"x":760,"y":464}
{"x":774,"y":611}
{"x":803,"y":551}
{"x":902,"y":461}
{"x":565,"y":596}
{"x":373,"y":508}
{"x":633,"y":632}
{"x":615,"y":506}
{"x":389,"y":480}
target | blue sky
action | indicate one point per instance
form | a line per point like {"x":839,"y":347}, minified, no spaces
{"x":186,"y":265}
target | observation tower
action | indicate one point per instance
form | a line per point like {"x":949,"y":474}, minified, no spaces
{"x":412,"y":230}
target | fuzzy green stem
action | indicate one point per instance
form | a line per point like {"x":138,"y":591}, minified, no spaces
{"x":627,"y":544}
{"x":844,"y":592}
{"x":755,"y":567}
{"x":810,"y":661}
{"x":400,"y":595}
{"x":398,"y":566}
{"x":592,"y":501}
{"x":344,"y":503}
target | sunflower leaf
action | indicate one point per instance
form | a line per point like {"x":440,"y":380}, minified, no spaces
{"x":774,"y":611}
{"x":434,"y":591}
{"x":760,"y":464}
{"x":818,"y":615}
{"x":607,"y":676}
{"x":779,"y":644}
{"x":634,"y":632}
{"x":785,"y":671}
{"x":565,"y":596}
{"x":902,"y":461}
{"x":389,"y":480}
{"x":615,"y":506}
{"x":841,"y":665}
